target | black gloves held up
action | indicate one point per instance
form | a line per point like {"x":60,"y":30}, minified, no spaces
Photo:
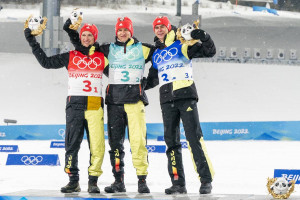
{"x":199,"y":34}
{"x":67,"y":25}
{"x":30,"y":38}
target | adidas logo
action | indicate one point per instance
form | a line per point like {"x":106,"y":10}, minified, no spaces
{"x":121,"y":24}
{"x":189,"y":109}
{"x":158,"y":21}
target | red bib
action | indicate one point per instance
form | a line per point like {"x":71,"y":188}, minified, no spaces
{"x":85,"y":74}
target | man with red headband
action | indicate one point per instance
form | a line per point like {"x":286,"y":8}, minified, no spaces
{"x":126,"y":101}
{"x":172,"y":70}
{"x":84,"y":110}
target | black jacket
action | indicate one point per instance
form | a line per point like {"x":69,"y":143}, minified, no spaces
{"x":117,"y":93}
{"x":55,"y":62}
{"x":198,"y":50}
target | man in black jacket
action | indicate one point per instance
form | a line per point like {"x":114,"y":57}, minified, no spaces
{"x":84,"y":110}
{"x":172,"y":70}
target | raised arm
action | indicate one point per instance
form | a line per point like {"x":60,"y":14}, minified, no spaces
{"x":201,"y":50}
{"x":73,"y":34}
{"x":53,"y":62}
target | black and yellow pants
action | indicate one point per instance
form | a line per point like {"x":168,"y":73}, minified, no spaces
{"x":132,"y":116}
{"x":92,"y":122}
{"x":187,"y":111}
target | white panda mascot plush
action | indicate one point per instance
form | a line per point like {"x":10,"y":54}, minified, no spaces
{"x":184,"y":33}
{"x":76,"y":19}
{"x":36,"y":24}
{"x":280,"y":188}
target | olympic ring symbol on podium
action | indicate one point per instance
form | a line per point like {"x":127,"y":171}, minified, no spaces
{"x":151,"y":148}
{"x":130,"y":55}
{"x":31,"y":160}
{"x":165,"y":55}
{"x":62,"y":133}
{"x":91,"y":63}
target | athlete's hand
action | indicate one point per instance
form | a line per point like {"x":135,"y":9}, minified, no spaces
{"x":67,"y":25}
{"x":199,"y":34}
{"x":29,"y":37}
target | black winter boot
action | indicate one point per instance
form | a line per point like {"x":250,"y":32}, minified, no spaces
{"x":72,"y":186}
{"x":142,"y":186}
{"x":93,"y":188}
{"x":117,"y":186}
{"x":205,"y":188}
{"x":176,"y":189}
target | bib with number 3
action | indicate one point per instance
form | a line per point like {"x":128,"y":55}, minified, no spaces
{"x":126,"y":68}
{"x":85,"y":74}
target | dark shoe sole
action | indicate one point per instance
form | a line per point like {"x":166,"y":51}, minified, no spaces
{"x":177,"y":192}
{"x":114,"y":191}
{"x":144,"y":192}
{"x":205,"y":192}
{"x":70,"y":191}
{"x":95,"y":191}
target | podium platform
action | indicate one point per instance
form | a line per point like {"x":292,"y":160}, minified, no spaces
{"x":57,"y":195}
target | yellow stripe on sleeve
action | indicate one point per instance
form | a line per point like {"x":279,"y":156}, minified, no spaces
{"x":146,"y":51}
{"x":184,"y":50}
{"x":106,"y":62}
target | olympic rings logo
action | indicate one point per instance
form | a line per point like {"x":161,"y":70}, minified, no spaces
{"x":151,"y":148}
{"x":184,"y":145}
{"x":132,"y":54}
{"x":91,"y":63}
{"x":62,"y":133}
{"x":165,"y":55}
{"x":31,"y":160}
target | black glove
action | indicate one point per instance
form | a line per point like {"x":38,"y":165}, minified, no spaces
{"x":30,"y":38}
{"x":144,"y":83}
{"x":67,"y":25}
{"x":199,"y":34}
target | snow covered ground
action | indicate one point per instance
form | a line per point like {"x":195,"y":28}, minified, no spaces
{"x":229,"y":92}
{"x":242,"y":167}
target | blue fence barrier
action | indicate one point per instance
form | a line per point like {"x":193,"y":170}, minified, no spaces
{"x":57,"y":144}
{"x":156,"y":148}
{"x":276,"y":130}
{"x":9,"y":148}
{"x":184,"y":145}
{"x":289,"y":174}
{"x":33,"y":159}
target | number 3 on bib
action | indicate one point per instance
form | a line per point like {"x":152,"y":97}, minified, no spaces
{"x":88,"y":87}
{"x":125,"y":76}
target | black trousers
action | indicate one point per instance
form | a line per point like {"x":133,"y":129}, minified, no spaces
{"x":187,"y":111}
